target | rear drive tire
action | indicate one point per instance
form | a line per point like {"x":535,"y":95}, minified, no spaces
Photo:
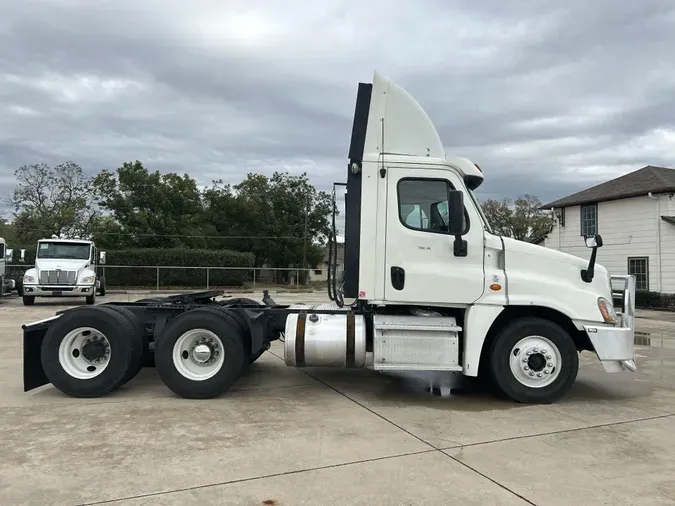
{"x":243,"y":326}
{"x":88,"y":352}
{"x":533,"y":361}
{"x":28,"y":300}
{"x":91,"y":299}
{"x":140,"y":335}
{"x":200,"y":354}
{"x":241,"y":301}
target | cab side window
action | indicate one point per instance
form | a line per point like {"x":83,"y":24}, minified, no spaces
{"x":423,"y":204}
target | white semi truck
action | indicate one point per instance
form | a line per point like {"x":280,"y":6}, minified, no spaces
{"x":430,"y":288}
{"x":64,"y":268}
{"x":6,"y":254}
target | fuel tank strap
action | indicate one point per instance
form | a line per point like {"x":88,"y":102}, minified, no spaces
{"x":351,"y":345}
{"x":300,"y":340}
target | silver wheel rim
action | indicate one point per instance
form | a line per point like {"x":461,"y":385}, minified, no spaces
{"x":84,"y":353}
{"x":198,"y":354}
{"x":535,"y":361}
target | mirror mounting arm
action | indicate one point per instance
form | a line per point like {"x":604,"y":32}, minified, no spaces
{"x":588,"y":274}
{"x":460,"y":247}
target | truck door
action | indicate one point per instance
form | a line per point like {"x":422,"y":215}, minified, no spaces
{"x":419,"y":258}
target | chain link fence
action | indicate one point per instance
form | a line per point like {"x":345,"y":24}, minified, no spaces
{"x":167,"y":277}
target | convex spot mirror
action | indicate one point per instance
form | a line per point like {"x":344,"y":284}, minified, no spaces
{"x":593,"y":241}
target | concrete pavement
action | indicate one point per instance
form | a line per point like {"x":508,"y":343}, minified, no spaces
{"x":284,"y":436}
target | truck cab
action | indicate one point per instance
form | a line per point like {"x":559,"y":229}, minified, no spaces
{"x":64,"y":268}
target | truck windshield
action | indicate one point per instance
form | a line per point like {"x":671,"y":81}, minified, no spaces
{"x":486,"y":223}
{"x":65,"y":250}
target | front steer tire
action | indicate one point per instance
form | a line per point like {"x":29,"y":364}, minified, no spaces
{"x":231,"y":353}
{"x":506,"y":381}
{"x":124,"y":346}
{"x":102,"y":287}
{"x":91,"y":299}
{"x":28,"y":300}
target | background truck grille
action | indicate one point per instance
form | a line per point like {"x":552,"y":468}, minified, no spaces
{"x":58,"y":277}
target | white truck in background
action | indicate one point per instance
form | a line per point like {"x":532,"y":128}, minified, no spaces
{"x":430,"y":286}
{"x":64,"y":268}
{"x":6,"y":254}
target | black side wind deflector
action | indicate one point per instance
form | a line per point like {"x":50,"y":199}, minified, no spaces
{"x":353,"y":195}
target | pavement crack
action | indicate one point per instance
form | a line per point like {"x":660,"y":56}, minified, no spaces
{"x":372,"y":411}
{"x":360,"y":404}
{"x":254,"y":478}
{"x":561,"y":431}
{"x":491,"y":480}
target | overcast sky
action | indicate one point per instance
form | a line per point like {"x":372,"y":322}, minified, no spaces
{"x":548,"y":97}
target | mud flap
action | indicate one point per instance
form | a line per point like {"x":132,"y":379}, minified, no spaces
{"x":33,"y":335}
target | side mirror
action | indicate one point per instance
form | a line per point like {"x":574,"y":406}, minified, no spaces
{"x":9,"y":254}
{"x":593,"y":241}
{"x":455,"y":212}
{"x":22,"y":255}
{"x":101,"y":257}
{"x":456,"y":222}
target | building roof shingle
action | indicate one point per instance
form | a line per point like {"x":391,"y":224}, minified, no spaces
{"x":640,"y":182}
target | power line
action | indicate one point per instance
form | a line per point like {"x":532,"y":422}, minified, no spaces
{"x":183,"y":236}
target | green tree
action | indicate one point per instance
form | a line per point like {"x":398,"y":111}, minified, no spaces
{"x":285,"y":214}
{"x":522,"y":219}
{"x":150,"y":209}
{"x":48,"y":201}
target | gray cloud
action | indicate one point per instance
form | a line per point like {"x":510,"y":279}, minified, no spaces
{"x":548,"y":97}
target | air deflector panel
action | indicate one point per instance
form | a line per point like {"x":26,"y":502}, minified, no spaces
{"x":353,"y":197}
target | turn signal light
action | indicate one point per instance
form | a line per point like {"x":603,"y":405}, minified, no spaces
{"x":607,"y":310}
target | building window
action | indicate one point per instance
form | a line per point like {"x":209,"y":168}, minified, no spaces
{"x":423,"y":204}
{"x":589,"y":219}
{"x":639,"y":267}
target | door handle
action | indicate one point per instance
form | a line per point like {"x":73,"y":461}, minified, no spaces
{"x":397,"y":277}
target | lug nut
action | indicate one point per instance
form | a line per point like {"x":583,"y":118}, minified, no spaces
{"x":531,"y":374}
{"x":545,"y":371}
{"x":539,"y":375}
{"x":544,"y":352}
{"x":535,"y":350}
{"x":529,"y":353}
{"x":550,"y":364}
{"x":548,"y":357}
{"x":526,"y":368}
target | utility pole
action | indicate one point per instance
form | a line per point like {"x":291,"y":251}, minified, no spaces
{"x":304,"y":238}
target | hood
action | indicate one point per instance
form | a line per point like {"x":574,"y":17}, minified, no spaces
{"x":542,"y":252}
{"x":51,"y":264}
{"x":537,"y":275}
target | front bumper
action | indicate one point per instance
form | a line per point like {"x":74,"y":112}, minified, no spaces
{"x":58,"y":291}
{"x":615,"y":345}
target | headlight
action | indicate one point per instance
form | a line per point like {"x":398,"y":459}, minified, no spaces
{"x":88,"y":280}
{"x":28,"y":279}
{"x":607,"y":310}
